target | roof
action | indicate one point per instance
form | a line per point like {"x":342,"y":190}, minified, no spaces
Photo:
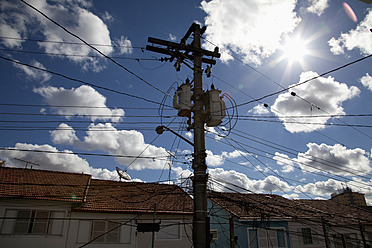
{"x":269,"y":206}
{"x":42,"y":184}
{"x":116,"y":196}
{"x":93,"y":194}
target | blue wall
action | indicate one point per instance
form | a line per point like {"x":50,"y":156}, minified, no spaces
{"x":219,"y":219}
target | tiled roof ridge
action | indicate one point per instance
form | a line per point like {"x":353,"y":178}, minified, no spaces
{"x":133,"y":182}
{"x":43,"y":170}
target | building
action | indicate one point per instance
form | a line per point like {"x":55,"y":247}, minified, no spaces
{"x":266,"y":220}
{"x":347,"y":197}
{"x":40,"y":208}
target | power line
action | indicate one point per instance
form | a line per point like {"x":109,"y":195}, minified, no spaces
{"x":70,"y":43}
{"x":95,"y":49}
{"x":296,"y":167}
{"x":78,"y":80}
{"x":81,"y":153}
{"x":306,"y":81}
{"x":77,"y":55}
{"x":308,"y":123}
{"x":75,"y":106}
{"x":90,"y":115}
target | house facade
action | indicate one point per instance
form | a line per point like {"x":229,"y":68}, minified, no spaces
{"x":57,"y":209}
{"x":262,"y":220}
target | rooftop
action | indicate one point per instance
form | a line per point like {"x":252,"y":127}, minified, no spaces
{"x":93,"y":194}
{"x":269,"y":206}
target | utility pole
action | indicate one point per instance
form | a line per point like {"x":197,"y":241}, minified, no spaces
{"x":181,"y":51}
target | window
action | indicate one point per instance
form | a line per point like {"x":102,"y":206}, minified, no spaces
{"x":306,"y":236}
{"x":32,"y":222}
{"x":169,"y":230}
{"x":281,"y":238}
{"x":105,"y":231}
{"x":266,"y":237}
{"x":214,"y":234}
{"x":253,"y":239}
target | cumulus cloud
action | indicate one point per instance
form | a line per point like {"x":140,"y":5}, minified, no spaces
{"x":317,"y":6}
{"x":259,"y":110}
{"x":252,"y":29}
{"x":227,"y":180}
{"x":325,"y":93}
{"x":83,"y":96}
{"x":172,"y":37}
{"x":64,"y":134}
{"x":125,"y":45}
{"x":217,"y":160}
{"x":106,"y":138}
{"x":367,"y":81}
{"x":189,"y":135}
{"x":337,"y":160}
{"x":34,"y":74}
{"x":16,"y":18}
{"x":53,"y":160}
{"x":320,"y":188}
{"x":357,"y":38}
{"x":213,"y":159}
{"x":284,"y":161}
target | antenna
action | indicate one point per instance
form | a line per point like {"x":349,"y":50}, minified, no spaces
{"x":123,"y":174}
{"x":27,"y":162}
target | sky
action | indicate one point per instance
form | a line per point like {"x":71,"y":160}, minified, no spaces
{"x":295,"y":76}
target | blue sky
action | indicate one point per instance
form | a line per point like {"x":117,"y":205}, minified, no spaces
{"x":303,"y":146}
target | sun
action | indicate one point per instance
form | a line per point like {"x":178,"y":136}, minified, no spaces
{"x":294,"y":49}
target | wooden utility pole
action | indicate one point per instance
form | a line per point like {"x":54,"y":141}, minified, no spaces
{"x":181,"y":51}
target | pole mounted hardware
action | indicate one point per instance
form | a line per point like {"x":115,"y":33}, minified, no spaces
{"x":207,"y":108}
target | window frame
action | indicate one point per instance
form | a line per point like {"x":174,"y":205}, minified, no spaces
{"x":256,"y":242}
{"x":169,"y":224}
{"x":106,"y":229}
{"x":307,"y":236}
{"x":32,"y":222}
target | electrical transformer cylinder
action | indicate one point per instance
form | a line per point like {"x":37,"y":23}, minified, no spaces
{"x":182,"y":100}
{"x":217,"y":108}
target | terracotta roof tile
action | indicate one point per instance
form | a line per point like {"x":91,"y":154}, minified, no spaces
{"x":136,"y":197}
{"x":42,"y":184}
{"x":100,"y":195}
{"x":268,"y":206}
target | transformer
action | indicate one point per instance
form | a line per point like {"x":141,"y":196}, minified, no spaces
{"x":182,"y":99}
{"x":216,"y":108}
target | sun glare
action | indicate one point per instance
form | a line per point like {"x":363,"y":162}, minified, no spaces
{"x":294,"y":49}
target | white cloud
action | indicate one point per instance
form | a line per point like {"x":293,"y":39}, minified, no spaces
{"x":125,"y":45}
{"x":213,"y":160}
{"x":217,"y":160}
{"x":252,"y":29}
{"x":291,"y":196}
{"x":320,"y":188}
{"x":285,"y":161}
{"x":34,"y":74}
{"x":212,"y":130}
{"x":317,"y":6}
{"x":17,"y":18}
{"x":325,"y":93}
{"x":367,"y":81}
{"x":105,"y":137}
{"x":53,"y":161}
{"x":172,"y":37}
{"x":189,"y":135}
{"x":64,"y":134}
{"x":84,"y":96}
{"x":259,"y":110}
{"x":107,"y":17}
{"x":356,"y":38}
{"x":337,"y":160}
{"x":230,"y":178}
